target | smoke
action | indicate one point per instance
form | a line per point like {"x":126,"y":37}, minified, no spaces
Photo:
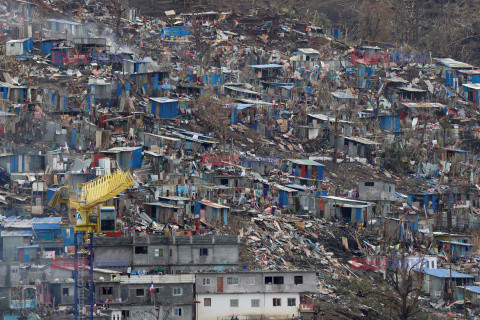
{"x":153,"y":64}
{"x":99,"y":30}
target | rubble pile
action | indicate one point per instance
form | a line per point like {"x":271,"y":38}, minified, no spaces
{"x":160,"y":157}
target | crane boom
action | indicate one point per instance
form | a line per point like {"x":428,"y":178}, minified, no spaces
{"x":92,"y":194}
{"x":104,"y":188}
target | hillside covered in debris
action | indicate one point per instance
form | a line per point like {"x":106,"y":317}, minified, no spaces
{"x":239,"y":160}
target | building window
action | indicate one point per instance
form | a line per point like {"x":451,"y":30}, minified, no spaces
{"x":140,"y":292}
{"x":65,"y":292}
{"x":171,"y":252}
{"x":206,"y":281}
{"x":255,"y":303}
{"x":203,"y":252}
{"x":250,"y":281}
{"x":106,"y":290}
{"x":141,"y":250}
{"x":291,"y":302}
{"x":298,"y":279}
{"x":277,"y":280}
{"x":369,"y":184}
{"x":177,"y":312}
{"x":233,"y":303}
{"x":207,"y":302}
{"x":273,"y":280}
{"x":126,"y":313}
{"x":232,"y":280}
{"x":177,"y":291}
{"x":277,"y":302}
{"x":389,"y":188}
{"x":158,"y":252}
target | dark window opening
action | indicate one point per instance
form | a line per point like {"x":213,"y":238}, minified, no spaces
{"x":141,"y":250}
{"x":277,"y":280}
{"x":369,"y":184}
{"x":140,"y":292}
{"x":298,"y":279}
{"x":268,"y":280}
{"x":107,"y":290}
{"x":203,"y":251}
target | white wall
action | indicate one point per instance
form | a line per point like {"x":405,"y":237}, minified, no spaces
{"x":14,"y":48}
{"x":220,"y":307}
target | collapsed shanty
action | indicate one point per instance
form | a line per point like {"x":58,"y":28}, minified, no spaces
{"x":183,"y":167}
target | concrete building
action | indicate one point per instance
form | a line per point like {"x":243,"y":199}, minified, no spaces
{"x":173,"y":294}
{"x":376,"y":190}
{"x":174,"y":254}
{"x":251,"y":295}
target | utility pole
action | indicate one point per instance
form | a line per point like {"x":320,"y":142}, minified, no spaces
{"x":335,"y":139}
{"x":450,"y":283}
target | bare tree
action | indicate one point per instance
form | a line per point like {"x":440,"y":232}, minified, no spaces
{"x":404,"y":276}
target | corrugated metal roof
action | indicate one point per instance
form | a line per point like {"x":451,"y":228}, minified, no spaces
{"x":213,"y":204}
{"x":64,"y":21}
{"x":469,"y":71}
{"x":474,"y":86}
{"x":243,"y":90}
{"x":308,"y":51}
{"x":121,"y":149}
{"x":286,"y":189}
{"x":360,"y":140}
{"x":296,"y":186}
{"x":333,"y":198}
{"x":343,"y":95}
{"x":163,"y":100}
{"x":445,"y":273}
{"x":266,"y":66}
{"x":473,"y":289}
{"x":411,"y":89}
{"x":454,"y":64}
{"x":306,"y":162}
{"x":457,"y":243}
{"x":423,"y":105}
{"x":324,"y":117}
{"x":161,"y":204}
{"x":28,"y":247}
{"x":239,"y":106}
{"x":163,"y":137}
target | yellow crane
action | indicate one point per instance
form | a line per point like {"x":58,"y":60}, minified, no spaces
{"x":85,"y":200}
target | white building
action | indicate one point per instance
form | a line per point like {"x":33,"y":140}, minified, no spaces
{"x":252,"y":295}
{"x":416,"y":262}
{"x":18,"y":47}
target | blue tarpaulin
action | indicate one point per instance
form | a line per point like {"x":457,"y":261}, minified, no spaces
{"x":136,"y":161}
{"x":175,"y":32}
{"x":390,"y":123}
